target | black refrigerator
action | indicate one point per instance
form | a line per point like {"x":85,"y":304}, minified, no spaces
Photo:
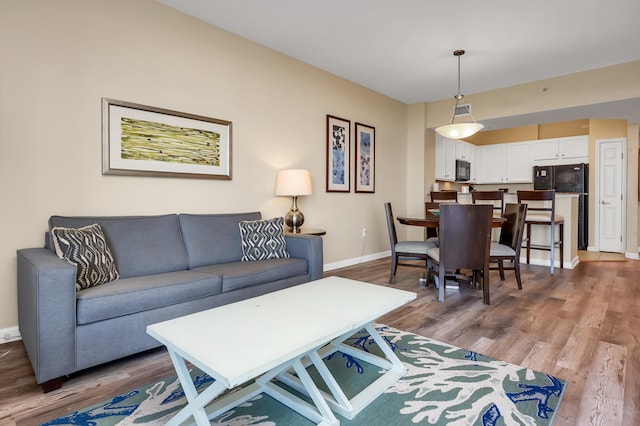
{"x":573,"y":178}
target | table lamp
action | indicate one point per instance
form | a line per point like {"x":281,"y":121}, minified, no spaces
{"x":293,"y":183}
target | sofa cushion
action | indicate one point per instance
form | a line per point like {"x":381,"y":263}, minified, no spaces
{"x":87,"y":249}
{"x":236,"y":275}
{"x":213,"y":238}
{"x":131,"y":295}
{"x":141,"y":245}
{"x":263,"y":239}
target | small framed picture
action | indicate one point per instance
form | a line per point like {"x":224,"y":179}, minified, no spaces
{"x":338,"y":154}
{"x":365,"y":164}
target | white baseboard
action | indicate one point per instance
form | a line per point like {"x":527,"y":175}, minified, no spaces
{"x":628,"y":255}
{"x":545,"y":262}
{"x":355,"y":261}
{"x":9,"y":334}
{"x":634,"y":256}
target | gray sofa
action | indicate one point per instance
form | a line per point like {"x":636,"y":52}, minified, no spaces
{"x":169,"y":266}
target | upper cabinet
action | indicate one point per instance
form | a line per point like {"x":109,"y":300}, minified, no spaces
{"x":574,"y":149}
{"x":518,"y":165}
{"x":506,"y":163}
{"x":450,"y":150}
{"x":492,"y":164}
{"x":464,"y":150}
{"x":445,"y":158}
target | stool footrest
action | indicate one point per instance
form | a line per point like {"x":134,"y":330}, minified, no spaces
{"x":539,"y":247}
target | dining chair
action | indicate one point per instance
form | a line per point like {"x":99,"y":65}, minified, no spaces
{"x":496,"y":198}
{"x":404,"y":250}
{"x":464,"y":243}
{"x":541,"y":211}
{"x":446,"y":196}
{"x":509,"y":245}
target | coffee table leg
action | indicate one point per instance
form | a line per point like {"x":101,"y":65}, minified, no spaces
{"x":196,"y":402}
{"x":319,"y":413}
{"x":337,"y":400}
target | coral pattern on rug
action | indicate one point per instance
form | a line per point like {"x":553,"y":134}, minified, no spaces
{"x":444,"y":385}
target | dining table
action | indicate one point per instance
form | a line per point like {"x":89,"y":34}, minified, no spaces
{"x":432,"y":220}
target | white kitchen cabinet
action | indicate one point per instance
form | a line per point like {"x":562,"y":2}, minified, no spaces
{"x":545,"y":149}
{"x":445,"y":158}
{"x":506,"y":163}
{"x":573,"y":149}
{"x":464,"y":150}
{"x":518,"y":164}
{"x":492,"y":164}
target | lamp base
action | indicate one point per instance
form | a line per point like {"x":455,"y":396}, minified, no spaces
{"x":294,"y":217}
{"x":294,"y":220}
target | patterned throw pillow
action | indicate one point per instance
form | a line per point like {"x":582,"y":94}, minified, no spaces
{"x":87,"y":249}
{"x":263,"y":239}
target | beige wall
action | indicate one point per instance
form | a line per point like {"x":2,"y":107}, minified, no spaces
{"x":60,"y":58}
{"x":607,"y":84}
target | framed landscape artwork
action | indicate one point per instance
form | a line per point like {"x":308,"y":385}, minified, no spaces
{"x":365,"y":168}
{"x":338,"y":154}
{"x":140,"y":140}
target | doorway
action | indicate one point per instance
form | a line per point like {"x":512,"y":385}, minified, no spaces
{"x":611,"y":173}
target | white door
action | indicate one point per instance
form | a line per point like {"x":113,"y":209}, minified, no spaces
{"x":611,"y":195}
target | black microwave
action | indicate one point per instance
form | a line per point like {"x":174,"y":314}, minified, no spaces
{"x":463,"y":171}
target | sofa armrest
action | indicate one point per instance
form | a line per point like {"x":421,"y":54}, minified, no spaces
{"x":47,"y":312}
{"x":307,"y":247}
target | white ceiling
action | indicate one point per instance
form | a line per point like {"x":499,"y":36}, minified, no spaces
{"x":404,"y":48}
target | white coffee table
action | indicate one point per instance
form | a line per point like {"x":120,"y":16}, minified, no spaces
{"x":291,"y":329}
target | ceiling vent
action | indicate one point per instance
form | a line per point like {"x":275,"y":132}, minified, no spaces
{"x":462,"y":110}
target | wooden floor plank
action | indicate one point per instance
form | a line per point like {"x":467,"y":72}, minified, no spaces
{"x":581,"y":325}
{"x":603,"y":396}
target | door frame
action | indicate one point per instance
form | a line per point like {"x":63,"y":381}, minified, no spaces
{"x":623,"y":189}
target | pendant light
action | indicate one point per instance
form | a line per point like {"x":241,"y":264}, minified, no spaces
{"x":459,"y":130}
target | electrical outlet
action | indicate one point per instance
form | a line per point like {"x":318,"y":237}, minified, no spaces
{"x":364,"y":232}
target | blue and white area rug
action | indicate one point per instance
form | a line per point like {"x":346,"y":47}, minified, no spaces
{"x":444,"y":385}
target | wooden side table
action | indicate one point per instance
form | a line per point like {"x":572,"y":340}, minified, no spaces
{"x":305,"y":231}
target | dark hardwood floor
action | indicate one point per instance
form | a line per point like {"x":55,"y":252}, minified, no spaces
{"x":582,"y":325}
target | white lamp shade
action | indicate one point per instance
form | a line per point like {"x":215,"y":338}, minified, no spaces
{"x":293,"y":182}
{"x":459,"y":130}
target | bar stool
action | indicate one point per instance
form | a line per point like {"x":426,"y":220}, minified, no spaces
{"x":545,"y":215}
{"x":498,"y":209}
